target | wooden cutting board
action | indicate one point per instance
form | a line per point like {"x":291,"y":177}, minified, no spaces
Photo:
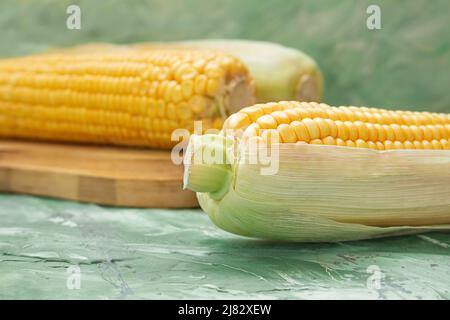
{"x":103,"y":175}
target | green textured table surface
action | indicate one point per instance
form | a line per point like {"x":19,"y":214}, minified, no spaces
{"x":161,"y":254}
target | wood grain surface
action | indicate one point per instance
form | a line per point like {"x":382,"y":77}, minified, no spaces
{"x":103,"y":175}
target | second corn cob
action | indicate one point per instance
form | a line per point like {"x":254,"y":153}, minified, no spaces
{"x":324,"y":182}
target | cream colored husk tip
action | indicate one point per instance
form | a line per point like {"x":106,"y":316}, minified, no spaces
{"x":321,"y":193}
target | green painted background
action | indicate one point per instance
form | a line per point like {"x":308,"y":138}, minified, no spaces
{"x":405,"y":65}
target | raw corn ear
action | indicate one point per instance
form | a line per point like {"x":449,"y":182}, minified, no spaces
{"x":324,"y":192}
{"x":114,"y":96}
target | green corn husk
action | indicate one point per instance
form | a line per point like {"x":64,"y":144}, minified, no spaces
{"x":321,"y":193}
{"x":280,"y":73}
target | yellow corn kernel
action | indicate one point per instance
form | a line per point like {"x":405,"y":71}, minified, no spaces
{"x":388,"y":145}
{"x":330,"y":141}
{"x":200,"y":84}
{"x":187,"y":88}
{"x":253,"y":112}
{"x":280,"y":117}
{"x":212,"y":87}
{"x":238,"y":121}
{"x":313,"y":128}
{"x":363,"y":133}
{"x":436,"y":144}
{"x":324,"y":128}
{"x":445,"y":144}
{"x":316,"y":141}
{"x":427,"y":145}
{"x":267,"y":122}
{"x":301,"y":131}
{"x":340,"y":142}
{"x":287,"y":133}
{"x":417,"y":144}
{"x":360,"y":143}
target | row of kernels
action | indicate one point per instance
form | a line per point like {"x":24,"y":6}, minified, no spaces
{"x":131,"y":103}
{"x":201,"y":84}
{"x":72,"y":131}
{"x":309,"y":129}
{"x":88,"y":117}
{"x":442,"y":144}
{"x":269,"y":114}
{"x":365,"y":114}
{"x":208,"y":80}
{"x":89,"y":83}
{"x":153,"y":122}
{"x":384,"y":116}
{"x":170,"y":94}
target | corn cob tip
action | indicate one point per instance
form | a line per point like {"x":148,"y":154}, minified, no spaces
{"x":239,"y":93}
{"x":309,"y":87}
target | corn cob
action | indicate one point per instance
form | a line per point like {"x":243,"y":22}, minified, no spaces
{"x":314,"y":123}
{"x":280,"y":73}
{"x":126,"y":97}
{"x":328,"y":184}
